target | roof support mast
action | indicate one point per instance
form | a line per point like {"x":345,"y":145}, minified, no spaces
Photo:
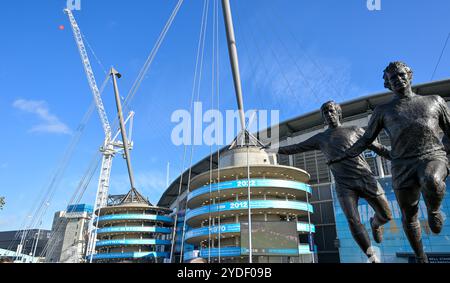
{"x":114,"y":74}
{"x":111,"y":146}
{"x":232,"y":50}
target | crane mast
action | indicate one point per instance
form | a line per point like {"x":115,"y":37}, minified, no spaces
{"x":110,"y":146}
{"x":90,"y":74}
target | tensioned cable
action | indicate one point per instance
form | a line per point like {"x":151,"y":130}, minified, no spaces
{"x":250,"y":247}
{"x":35,"y":209}
{"x":213,"y":90}
{"x":76,"y":197}
{"x":40,"y":211}
{"x":288,"y":83}
{"x":309,"y":225}
{"x":82,"y":186}
{"x":218,"y":125}
{"x":81,"y":128}
{"x":317,"y":65}
{"x":151,"y":56}
{"x":211,"y":146}
{"x":192,"y":146}
{"x":301,"y":73}
{"x":147,"y":63}
{"x":283,"y":73}
{"x":185,"y":145}
{"x":93,"y":53}
{"x":85,"y":180}
{"x":259,"y":54}
{"x":142,"y":73}
{"x":440,"y":57}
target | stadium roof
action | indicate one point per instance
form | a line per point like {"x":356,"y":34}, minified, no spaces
{"x":304,"y":122}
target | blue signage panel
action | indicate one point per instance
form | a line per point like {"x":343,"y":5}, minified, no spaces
{"x":236,"y":251}
{"x":134,"y":217}
{"x":254,"y":204}
{"x":133,"y":255}
{"x":254,"y":183}
{"x":304,"y":249}
{"x":268,"y":252}
{"x":236,"y":228}
{"x":163,"y":230}
{"x":80,"y":208}
{"x":204,"y":231}
{"x":132,"y":242}
{"x":305,"y":227}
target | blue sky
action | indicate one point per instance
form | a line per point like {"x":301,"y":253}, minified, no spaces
{"x":294,"y":55}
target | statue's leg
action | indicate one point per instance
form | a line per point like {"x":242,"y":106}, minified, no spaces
{"x":382,"y":216}
{"x":408,"y":200}
{"x":383,"y":213}
{"x":349,"y":205}
{"x":432,"y":181}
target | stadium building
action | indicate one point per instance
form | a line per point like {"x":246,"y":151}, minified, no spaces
{"x":130,"y":229}
{"x":34,"y":242}
{"x":331,"y":239}
{"x":69,"y":238}
{"x":217,"y":214}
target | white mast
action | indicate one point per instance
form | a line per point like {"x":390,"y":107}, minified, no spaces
{"x":232,"y":50}
{"x":110,"y":146}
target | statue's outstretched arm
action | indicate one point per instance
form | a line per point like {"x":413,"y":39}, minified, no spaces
{"x":372,"y":131}
{"x":308,"y":145}
{"x":381,"y":150}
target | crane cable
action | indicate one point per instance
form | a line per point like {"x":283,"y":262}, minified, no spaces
{"x":75,"y":199}
{"x":47,"y":194}
{"x":260,"y":59}
{"x":80,"y":129}
{"x":210,"y":147}
{"x":440,"y":57}
{"x":214,"y":90}
{"x":197,"y":60}
{"x":198,"y":63}
{"x":88,"y":174}
{"x":147,"y":63}
{"x":314,"y":62}
{"x":152,"y":55}
{"x":218,"y":125}
{"x":192,"y":146}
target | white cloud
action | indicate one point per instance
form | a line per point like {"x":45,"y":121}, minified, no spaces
{"x":49,"y":122}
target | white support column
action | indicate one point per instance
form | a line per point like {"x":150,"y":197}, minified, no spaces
{"x":379,"y":163}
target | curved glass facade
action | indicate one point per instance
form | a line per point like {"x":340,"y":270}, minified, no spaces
{"x":395,"y":247}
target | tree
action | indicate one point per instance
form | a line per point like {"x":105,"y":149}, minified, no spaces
{"x":2,"y":202}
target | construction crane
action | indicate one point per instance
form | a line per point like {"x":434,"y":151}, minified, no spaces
{"x":111,"y":145}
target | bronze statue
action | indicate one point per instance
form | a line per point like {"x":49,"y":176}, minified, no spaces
{"x":419,"y":161}
{"x":353,"y":177}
